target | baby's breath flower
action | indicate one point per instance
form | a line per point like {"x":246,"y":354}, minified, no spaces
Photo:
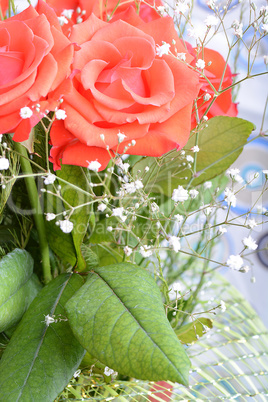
{"x":67,"y":13}
{"x":181,"y":56}
{"x":222,"y":306}
{"x":66,"y":226}
{"x":265,"y":28}
{"x":174,"y":243}
{"x":145,"y":251}
{"x":127,"y":251}
{"x":108,"y":371}
{"x":234,"y":175}
{"x":251,"y":223}
{"x":189,"y":158}
{"x":26,"y":112}
{"x":230,"y":197}
{"x":193,"y":193}
{"x":195,"y":148}
{"x":250,"y":243}
{"x":121,"y":137}
{"x":101,"y":207}
{"x":49,"y":179}
{"x":207,"y":97}
{"x":94,"y":166}
{"x":200,"y":64}
{"x":211,"y":20}
{"x":221,"y":230}
{"x":180,"y":194}
{"x":207,"y":185}
{"x":119,"y":213}
{"x":109,"y":229}
{"x":163,"y":49}
{"x":198,"y":32}
{"x":179,"y":218}
{"x":238,"y":28}
{"x":60,"y":114}
{"x":62,"y":20}
{"x":50,"y":216}
{"x":4,"y":163}
{"x":77,"y":373}
{"x":154,"y":207}
{"x":235,"y":262}
{"x":49,"y":320}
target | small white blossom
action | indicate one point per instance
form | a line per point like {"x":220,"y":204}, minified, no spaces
{"x":176,"y":287}
{"x":181,"y":56}
{"x":250,"y":243}
{"x":222,"y":306}
{"x":94,"y":166}
{"x":180,"y":194}
{"x":235,"y":262}
{"x":77,"y":373}
{"x":198,"y":32}
{"x":145,"y":251}
{"x":49,"y":179}
{"x":230,"y":197}
{"x":163,"y":49}
{"x":127,"y":251}
{"x":221,"y":230}
{"x":238,"y":28}
{"x":66,"y":226}
{"x":60,"y":114}
{"x":26,"y":112}
{"x":211,"y":4}
{"x":133,"y":142}
{"x":62,"y":20}
{"x":174,"y":243}
{"x":132,"y":187}
{"x":67,"y":13}
{"x":207,"y":97}
{"x":251,"y":223}
{"x":195,"y":148}
{"x":211,"y":20}
{"x":234,"y":175}
{"x":102,"y":207}
{"x":200,"y":64}
{"x":181,"y":7}
{"x":109,"y":229}
{"x":163,"y":10}
{"x":207,"y":185}
{"x":108,"y":371}
{"x":261,"y":209}
{"x":121,"y":137}
{"x":119,"y":212}
{"x":264,"y":27}
{"x":146,"y":168}
{"x":4,"y":163}
{"x":154,"y":207}
{"x":207,"y":210}
{"x":189,"y":158}
{"x":193,"y":193}
{"x":50,"y":216}
{"x":125,"y":167}
{"x":49,"y":320}
{"x":179,"y":218}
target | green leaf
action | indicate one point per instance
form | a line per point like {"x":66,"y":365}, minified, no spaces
{"x":18,"y":287}
{"x":118,"y":316}
{"x":194,"y":330}
{"x":75,"y":196}
{"x":39,"y":359}
{"x":220,"y":143}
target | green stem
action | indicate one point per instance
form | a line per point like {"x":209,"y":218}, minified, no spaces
{"x":37,"y":212}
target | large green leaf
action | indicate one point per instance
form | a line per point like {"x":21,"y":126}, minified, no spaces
{"x":18,"y":287}
{"x":75,"y":196}
{"x":40,"y":359}
{"x":220,"y":143}
{"x":118,"y":317}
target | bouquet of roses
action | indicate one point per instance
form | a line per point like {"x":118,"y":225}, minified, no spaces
{"x":116,"y":133}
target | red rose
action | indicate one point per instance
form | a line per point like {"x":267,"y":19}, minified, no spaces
{"x":35,"y":58}
{"x":122,"y":86}
{"x":223,"y":105}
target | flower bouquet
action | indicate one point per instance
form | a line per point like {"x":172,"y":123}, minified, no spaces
{"x":118,"y":136}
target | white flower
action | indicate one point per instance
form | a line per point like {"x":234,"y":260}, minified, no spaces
{"x":250,"y":243}
{"x":200,"y":64}
{"x":211,"y":4}
{"x":26,"y":112}
{"x":193,"y":193}
{"x":62,"y":20}
{"x":207,"y":185}
{"x":4,"y":163}
{"x":109,"y":229}
{"x":211,"y":20}
{"x":176,"y":287}
{"x":50,"y":216}
{"x":60,"y":114}
{"x":154,"y":207}
{"x":133,"y":142}
{"x":163,"y":10}
{"x":222,"y":306}
{"x":101,"y":207}
{"x":77,"y":373}
{"x":251,"y":223}
{"x":67,"y":13}
{"x":206,"y":97}
{"x":235,"y":262}
{"x":189,"y":158}
{"x":66,"y":226}
{"x":265,"y":28}
{"x":49,"y":320}
{"x":94,"y":166}
{"x":49,"y":179}
{"x":119,"y":213}
{"x":207,"y":210}
{"x":145,"y":251}
{"x":238,"y":28}
{"x":234,"y":175}
{"x":197,"y":32}
{"x":180,"y":194}
{"x":163,"y":49}
{"x":108,"y":371}
{"x":195,"y":148}
{"x":230,"y":197}
{"x":181,"y":7}
{"x":132,"y":187}
{"x":174,"y":243}
{"x":179,"y":218}
{"x":181,"y":56}
{"x":125,"y":167}
{"x":221,"y":230}
{"x":121,"y":137}
{"x":127,"y":250}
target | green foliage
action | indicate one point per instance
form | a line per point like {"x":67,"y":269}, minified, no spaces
{"x":194,"y":330}
{"x":18,"y":287}
{"x":220,"y":143}
{"x":118,"y":317}
{"x":40,"y":359}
